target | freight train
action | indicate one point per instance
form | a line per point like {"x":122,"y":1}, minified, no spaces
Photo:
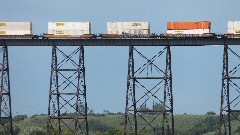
{"x":79,"y":30}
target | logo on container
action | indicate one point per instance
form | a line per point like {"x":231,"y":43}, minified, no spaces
{"x":237,"y":31}
{"x":60,"y":23}
{"x":59,"y":31}
{"x":2,"y":32}
{"x":2,"y":24}
{"x":136,"y":24}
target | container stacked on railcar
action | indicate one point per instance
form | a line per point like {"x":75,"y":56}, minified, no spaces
{"x":188,"y":29}
{"x":69,"y":30}
{"x":233,"y":29}
{"x":127,"y":30}
{"x":16,"y":30}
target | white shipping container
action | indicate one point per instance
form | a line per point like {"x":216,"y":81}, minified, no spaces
{"x":128,"y":27}
{"x":193,"y":31}
{"x":69,"y":28}
{"x":234,"y":31}
{"x":15,"y":28}
{"x":15,"y":32}
{"x":234,"y":27}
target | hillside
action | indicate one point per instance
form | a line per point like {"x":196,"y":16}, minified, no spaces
{"x":113,"y":124}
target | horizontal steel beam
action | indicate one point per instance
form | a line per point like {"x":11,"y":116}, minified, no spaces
{"x":231,"y":110}
{"x":67,"y":118}
{"x":150,"y":110}
{"x":231,"y":77}
{"x":147,"y":78}
{"x":119,"y":42}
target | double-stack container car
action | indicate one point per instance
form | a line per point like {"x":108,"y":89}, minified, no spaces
{"x":127,"y":30}
{"x":233,"y":29}
{"x":69,"y":30}
{"x":188,"y":29}
{"x":16,"y":30}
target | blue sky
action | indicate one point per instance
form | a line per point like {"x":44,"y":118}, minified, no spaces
{"x":196,"y":70}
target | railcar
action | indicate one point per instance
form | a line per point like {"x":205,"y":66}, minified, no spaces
{"x":233,"y":29}
{"x":16,"y":30}
{"x":69,"y":30}
{"x":26,"y":36}
{"x":188,"y":30}
{"x":49,"y":36}
{"x":128,"y":30}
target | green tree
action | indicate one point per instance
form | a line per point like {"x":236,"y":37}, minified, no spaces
{"x":5,"y":130}
{"x":144,"y":109}
{"x":237,"y":131}
{"x":106,"y":111}
{"x":206,"y":125}
{"x":119,"y":113}
{"x":210,"y":113}
{"x":98,"y":126}
{"x":235,"y":115}
{"x":112,"y":132}
{"x":67,"y":132}
{"x":19,"y":118}
{"x":158,"y":106}
{"x":35,"y":131}
{"x":91,"y":112}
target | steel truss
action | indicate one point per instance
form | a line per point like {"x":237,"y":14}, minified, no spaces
{"x":230,"y":93}
{"x":6,"y":125}
{"x":67,"y":110}
{"x":149,"y":98}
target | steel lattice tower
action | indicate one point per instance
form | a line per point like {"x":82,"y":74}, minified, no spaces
{"x":5,"y":96}
{"x":149,"y":99}
{"x":230,"y":93}
{"x":67,"y":110}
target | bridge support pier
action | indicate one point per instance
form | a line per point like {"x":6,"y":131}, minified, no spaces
{"x":230,"y":93}
{"x":67,"y":110}
{"x":149,"y":98}
{"x":5,"y":97}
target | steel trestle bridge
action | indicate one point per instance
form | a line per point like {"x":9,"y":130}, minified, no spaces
{"x":120,"y":42}
{"x":149,"y":95}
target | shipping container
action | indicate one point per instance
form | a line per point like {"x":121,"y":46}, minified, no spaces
{"x":192,"y":31}
{"x":128,"y":28}
{"x":188,"y":25}
{"x":15,"y":28}
{"x":234,"y":27}
{"x":69,"y":28}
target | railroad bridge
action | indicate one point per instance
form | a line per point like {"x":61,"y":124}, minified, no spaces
{"x":64,"y":100}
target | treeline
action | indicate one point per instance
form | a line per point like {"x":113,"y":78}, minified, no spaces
{"x":105,"y":112}
{"x":108,"y":123}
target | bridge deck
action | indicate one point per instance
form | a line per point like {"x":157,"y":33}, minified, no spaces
{"x":119,"y":42}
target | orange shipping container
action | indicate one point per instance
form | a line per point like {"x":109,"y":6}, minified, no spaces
{"x":188,"y":25}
